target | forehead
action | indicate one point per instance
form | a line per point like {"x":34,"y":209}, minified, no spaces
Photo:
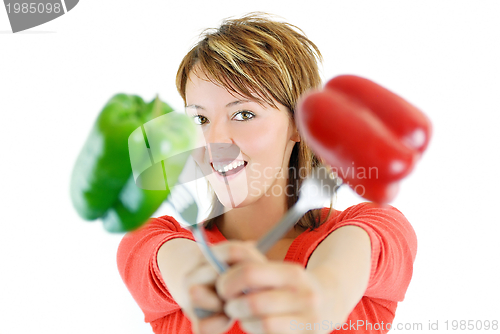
{"x":199,"y":84}
{"x":202,"y":88}
{"x":200,"y":79}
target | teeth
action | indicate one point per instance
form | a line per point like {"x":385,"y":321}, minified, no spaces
{"x":226,"y":168}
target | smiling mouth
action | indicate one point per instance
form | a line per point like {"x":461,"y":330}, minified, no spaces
{"x":230,"y":169}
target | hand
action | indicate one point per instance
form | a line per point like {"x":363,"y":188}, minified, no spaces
{"x":277,"y":294}
{"x":191,"y":281}
{"x":200,"y":284}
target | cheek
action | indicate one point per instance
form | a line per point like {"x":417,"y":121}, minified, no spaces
{"x":265,"y":146}
{"x":262,"y":139}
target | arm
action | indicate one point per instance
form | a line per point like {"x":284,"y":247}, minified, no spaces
{"x":282,"y":294}
{"x":138,"y":267}
{"x":365,"y":251}
{"x":341,"y":266}
{"x":175,"y":260}
{"x":165,"y":271}
{"x":191,"y":282}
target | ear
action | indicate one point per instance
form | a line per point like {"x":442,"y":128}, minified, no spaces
{"x":295,"y":136}
{"x":295,"y":133}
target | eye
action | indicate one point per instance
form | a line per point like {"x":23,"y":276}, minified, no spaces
{"x":200,"y":119}
{"x":243,"y":115}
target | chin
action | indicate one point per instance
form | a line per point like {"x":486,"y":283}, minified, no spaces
{"x":241,"y":200}
{"x":231,"y":199}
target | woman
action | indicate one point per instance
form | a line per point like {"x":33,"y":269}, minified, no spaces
{"x":335,"y":270}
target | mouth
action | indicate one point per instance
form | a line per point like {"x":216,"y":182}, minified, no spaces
{"x":228,"y":169}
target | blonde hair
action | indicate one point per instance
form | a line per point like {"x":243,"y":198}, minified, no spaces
{"x":266,"y":61}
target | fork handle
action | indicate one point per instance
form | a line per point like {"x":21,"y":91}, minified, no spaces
{"x":200,"y":238}
{"x":202,"y":313}
{"x":219,"y":266}
{"x":285,"y":224}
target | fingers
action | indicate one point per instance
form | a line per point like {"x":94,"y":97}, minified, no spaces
{"x":200,"y":281}
{"x":265,"y":296}
{"x":219,"y":323}
{"x":201,"y":289}
{"x":273,"y":324}
{"x":201,"y":286}
{"x":271,"y":302}
{"x":202,"y":274}
{"x":205,"y":297}
{"x":202,"y":295}
{"x":278,"y":295}
{"x":257,"y":276}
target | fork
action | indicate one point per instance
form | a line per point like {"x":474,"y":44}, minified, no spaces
{"x":184,"y":203}
{"x":311,"y":196}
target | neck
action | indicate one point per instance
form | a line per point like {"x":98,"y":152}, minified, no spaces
{"x":254,"y":220}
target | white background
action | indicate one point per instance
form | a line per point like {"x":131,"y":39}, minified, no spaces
{"x":58,"y":273}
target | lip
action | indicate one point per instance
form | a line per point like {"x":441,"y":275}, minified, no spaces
{"x":228,"y":177}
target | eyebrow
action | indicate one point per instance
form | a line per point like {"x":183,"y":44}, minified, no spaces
{"x":230,"y":104}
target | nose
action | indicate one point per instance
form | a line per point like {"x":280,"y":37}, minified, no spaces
{"x":223,"y":152}
{"x":220,"y":142}
{"x":218,"y":132}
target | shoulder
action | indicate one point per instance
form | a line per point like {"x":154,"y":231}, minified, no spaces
{"x":151,"y":235}
{"x":368,"y":215}
{"x":365,"y":209}
{"x":385,"y":225}
{"x":162,"y":223}
{"x":393,"y":244}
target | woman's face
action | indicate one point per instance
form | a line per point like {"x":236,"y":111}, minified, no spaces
{"x":253,"y":143}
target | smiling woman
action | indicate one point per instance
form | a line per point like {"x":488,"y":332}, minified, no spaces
{"x":241,"y":84}
{"x":256,"y":60}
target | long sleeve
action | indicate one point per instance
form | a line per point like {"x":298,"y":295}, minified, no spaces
{"x":136,"y":258}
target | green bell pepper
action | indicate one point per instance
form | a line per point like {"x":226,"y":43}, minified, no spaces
{"x":104,"y":184}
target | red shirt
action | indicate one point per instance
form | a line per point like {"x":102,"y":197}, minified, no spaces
{"x":393,"y":244}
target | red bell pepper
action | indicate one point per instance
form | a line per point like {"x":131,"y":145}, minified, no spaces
{"x":370,"y":136}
